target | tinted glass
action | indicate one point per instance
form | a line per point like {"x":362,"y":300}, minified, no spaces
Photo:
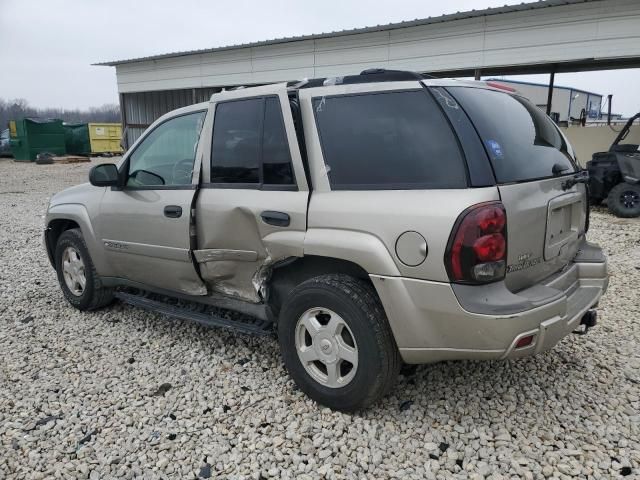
{"x":480,"y":170}
{"x":275,"y":146}
{"x":388,"y":140}
{"x":166,"y":155}
{"x":235,"y":156}
{"x":521,"y":141}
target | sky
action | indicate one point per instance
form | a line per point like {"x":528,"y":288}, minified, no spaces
{"x":47,"y":46}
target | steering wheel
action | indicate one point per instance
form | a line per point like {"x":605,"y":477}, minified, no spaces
{"x":182,"y":172}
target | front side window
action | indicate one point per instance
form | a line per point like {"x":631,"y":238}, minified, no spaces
{"x":250,"y":144}
{"x":521,"y":141}
{"x":166,"y":156}
{"x":388,"y":140}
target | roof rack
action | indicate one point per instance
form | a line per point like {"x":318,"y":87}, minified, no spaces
{"x":370,"y":75}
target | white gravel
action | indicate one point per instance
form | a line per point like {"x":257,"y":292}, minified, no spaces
{"x":126,"y":393}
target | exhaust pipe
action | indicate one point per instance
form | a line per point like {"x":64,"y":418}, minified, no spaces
{"x":589,"y":320}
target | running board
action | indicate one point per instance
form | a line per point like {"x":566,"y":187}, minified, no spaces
{"x":196,"y":312}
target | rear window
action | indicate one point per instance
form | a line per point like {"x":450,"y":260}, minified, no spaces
{"x":388,"y":140}
{"x":521,"y":141}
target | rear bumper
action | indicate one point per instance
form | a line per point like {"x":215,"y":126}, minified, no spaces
{"x":434,"y":321}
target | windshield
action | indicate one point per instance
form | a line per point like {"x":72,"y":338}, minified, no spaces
{"x":521,"y":141}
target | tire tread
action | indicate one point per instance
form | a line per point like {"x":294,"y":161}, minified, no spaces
{"x":364,"y":297}
{"x":614,"y":205}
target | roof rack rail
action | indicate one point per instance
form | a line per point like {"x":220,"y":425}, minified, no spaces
{"x":366,"y":76}
{"x":408,"y":73}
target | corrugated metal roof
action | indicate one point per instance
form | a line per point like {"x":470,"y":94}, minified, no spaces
{"x":390,"y":26}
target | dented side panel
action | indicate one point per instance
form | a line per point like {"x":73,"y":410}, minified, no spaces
{"x":236,"y":247}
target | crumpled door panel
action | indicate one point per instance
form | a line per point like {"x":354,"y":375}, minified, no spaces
{"x":236,"y":248}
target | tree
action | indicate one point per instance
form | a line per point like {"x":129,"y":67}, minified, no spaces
{"x":19,"y":108}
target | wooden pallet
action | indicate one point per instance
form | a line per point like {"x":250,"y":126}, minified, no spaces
{"x":70,"y":159}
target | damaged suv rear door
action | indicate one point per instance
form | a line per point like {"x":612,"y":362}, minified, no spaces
{"x":251,"y":209}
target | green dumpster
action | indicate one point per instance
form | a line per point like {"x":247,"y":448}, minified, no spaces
{"x":76,"y":138}
{"x":31,"y":136}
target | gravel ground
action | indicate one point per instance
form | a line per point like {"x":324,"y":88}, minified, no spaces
{"x":126,"y":393}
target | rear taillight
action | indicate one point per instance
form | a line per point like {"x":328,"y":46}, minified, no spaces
{"x":477,"y":248}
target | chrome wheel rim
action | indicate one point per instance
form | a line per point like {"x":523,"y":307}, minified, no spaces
{"x":73,"y":271}
{"x":326,"y":347}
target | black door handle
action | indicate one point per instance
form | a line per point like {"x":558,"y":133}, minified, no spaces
{"x":279,"y":219}
{"x":173,"y":211}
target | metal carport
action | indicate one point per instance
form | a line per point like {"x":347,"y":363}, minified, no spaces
{"x":550,"y":36}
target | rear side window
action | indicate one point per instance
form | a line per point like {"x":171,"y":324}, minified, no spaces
{"x":276,"y":158}
{"x":521,"y":141}
{"x":388,"y":140}
{"x":237,"y":133}
{"x":250,"y":144}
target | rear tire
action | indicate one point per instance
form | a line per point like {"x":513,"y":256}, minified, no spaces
{"x":76,"y":274}
{"x":362,"y":352}
{"x":624,"y":200}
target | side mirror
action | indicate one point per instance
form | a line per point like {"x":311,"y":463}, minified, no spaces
{"x":104,"y":175}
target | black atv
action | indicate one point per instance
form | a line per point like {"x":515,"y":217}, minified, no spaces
{"x":615,"y":175}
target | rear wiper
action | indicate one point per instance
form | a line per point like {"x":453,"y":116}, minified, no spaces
{"x":580,"y":177}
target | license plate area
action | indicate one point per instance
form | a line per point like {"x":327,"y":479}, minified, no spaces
{"x":564,"y":220}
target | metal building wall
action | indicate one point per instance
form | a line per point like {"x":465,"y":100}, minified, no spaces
{"x":552,"y":35}
{"x":592,"y":104}
{"x":545,"y":36}
{"x":568,"y":102}
{"x":141,"y":109}
{"x":538,"y":95}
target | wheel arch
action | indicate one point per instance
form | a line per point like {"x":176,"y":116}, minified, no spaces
{"x":293,"y":272}
{"x":363,"y":249}
{"x":326,"y":251}
{"x":52,"y":233}
{"x":61,"y":218}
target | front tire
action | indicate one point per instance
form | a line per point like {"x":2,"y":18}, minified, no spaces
{"x":76,"y":274}
{"x":624,"y":200}
{"x":336,"y":342}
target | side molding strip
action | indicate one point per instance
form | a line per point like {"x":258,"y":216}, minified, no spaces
{"x":144,"y":249}
{"x":218,"y":254}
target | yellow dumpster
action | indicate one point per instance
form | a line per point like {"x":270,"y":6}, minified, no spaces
{"x":105,"y":137}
